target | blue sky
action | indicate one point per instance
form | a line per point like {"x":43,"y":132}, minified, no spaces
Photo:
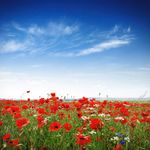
{"x":75,"y":48}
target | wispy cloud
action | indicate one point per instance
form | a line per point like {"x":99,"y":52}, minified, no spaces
{"x":11,"y":46}
{"x":118,"y":31}
{"x":35,"y":30}
{"x":61,"y":29}
{"x":104,"y":46}
{"x":62,"y":39}
{"x":18,"y":27}
{"x":50,"y":29}
{"x":36,"y":38}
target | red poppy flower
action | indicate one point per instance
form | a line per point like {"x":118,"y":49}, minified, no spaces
{"x":124,"y":121}
{"x":67,"y":126}
{"x":14,"y":142}
{"x":81,"y":139}
{"x":40,"y":118}
{"x":14,"y":109}
{"x":118,"y":147}
{"x":42,"y":111}
{"x":124,"y":111}
{"x":41,"y":121}
{"x":53,"y":94}
{"x":96,"y":124}
{"x":66,"y":105}
{"x":53,"y":97}
{"x":54,"y":126}
{"x":1,"y":123}
{"x":6,"y":136}
{"x":79,"y":114}
{"x":24,"y":107}
{"x":53,"y":109}
{"x":17,"y":115}
{"x":41,"y":101}
{"x":22,"y":122}
{"x":83,"y":100}
{"x":61,"y":115}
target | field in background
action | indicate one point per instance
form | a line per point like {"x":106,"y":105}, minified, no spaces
{"x":84,"y":124}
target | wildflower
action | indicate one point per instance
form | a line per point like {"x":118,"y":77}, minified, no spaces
{"x":92,"y":132}
{"x":6,"y":137}
{"x":122,"y":142}
{"x":101,"y":115}
{"x":41,"y":111}
{"x":15,"y":109}
{"x":96,"y":124}
{"x":40,"y":118}
{"x":124,"y":111}
{"x":124,"y":121}
{"x":53,"y":109}
{"x":120,"y":135}
{"x":79,"y":114}
{"x":85,"y":118}
{"x":80,"y":129}
{"x":115,"y":138}
{"x":81,"y":139}
{"x":41,"y":101}
{"x":127,"y":139}
{"x":118,"y":147}
{"x":17,"y":115}
{"x":118,"y":119}
{"x":67,"y":126}
{"x":66,"y":106}
{"x":24,"y":107}
{"x":41,"y":121}
{"x":61,"y":115}
{"x":22,"y":122}
{"x":83,"y":100}
{"x":53,"y":94}
{"x":54,"y":126}
{"x":14,"y":142}
{"x":1,"y":123}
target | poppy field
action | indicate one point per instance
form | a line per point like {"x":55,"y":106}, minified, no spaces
{"x":84,"y":124}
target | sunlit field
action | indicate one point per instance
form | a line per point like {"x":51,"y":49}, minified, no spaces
{"x":84,"y":124}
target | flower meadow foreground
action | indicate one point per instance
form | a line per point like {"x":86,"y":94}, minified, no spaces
{"x":84,"y":124}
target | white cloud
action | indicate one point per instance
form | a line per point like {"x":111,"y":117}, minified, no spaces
{"x":115,"y":29}
{"x":18,"y":27}
{"x":61,"y":39}
{"x":57,"y":29}
{"x":11,"y":46}
{"x":104,"y":46}
{"x":35,"y":30}
{"x":129,"y":29}
{"x":35,"y":38}
{"x":51,"y":29}
{"x":117,"y":32}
